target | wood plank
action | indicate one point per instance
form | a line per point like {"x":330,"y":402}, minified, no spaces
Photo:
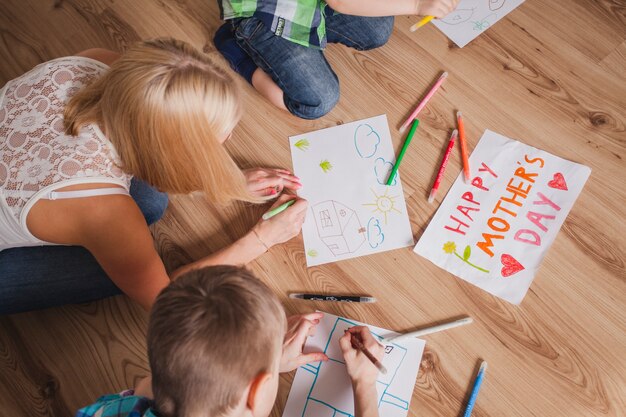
{"x":548,"y":75}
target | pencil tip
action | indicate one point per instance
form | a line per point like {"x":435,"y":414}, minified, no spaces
{"x":445,"y":74}
{"x":402,"y":129}
{"x":458,"y":115}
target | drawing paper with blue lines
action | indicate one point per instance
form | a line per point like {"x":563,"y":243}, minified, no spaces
{"x":351,"y":212}
{"x":323,"y":389}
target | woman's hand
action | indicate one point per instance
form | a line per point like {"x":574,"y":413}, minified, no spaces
{"x":282,"y":226}
{"x":298,"y":329}
{"x":360,"y":369}
{"x":437,"y":8}
{"x":269,"y":182}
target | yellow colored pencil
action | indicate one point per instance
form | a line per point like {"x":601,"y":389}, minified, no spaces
{"x":421,"y":23}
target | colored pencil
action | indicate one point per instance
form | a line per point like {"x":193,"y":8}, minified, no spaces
{"x":359,"y":345}
{"x":421,"y":23}
{"x":422,"y":104}
{"x":477,"y":382}
{"x":428,"y":330}
{"x":463,"y":143}
{"x":442,"y":168}
{"x":278,"y":210}
{"x":401,"y":155}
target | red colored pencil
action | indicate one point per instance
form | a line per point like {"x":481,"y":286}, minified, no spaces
{"x":442,"y":168}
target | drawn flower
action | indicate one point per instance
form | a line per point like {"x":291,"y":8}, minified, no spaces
{"x":326,"y":166}
{"x":312,"y":253}
{"x":302,"y":144}
{"x":449,"y":247}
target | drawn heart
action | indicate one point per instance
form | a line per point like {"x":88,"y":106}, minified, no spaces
{"x":510,"y":266}
{"x":558,"y":182}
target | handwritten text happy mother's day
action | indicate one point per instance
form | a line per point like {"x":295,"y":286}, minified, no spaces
{"x":505,"y":218}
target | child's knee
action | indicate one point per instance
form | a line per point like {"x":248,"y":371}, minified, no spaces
{"x":322,"y":101}
{"x":381,"y":34}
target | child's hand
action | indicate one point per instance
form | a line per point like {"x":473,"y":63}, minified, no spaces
{"x":269,"y":182}
{"x":360,"y":368}
{"x":282,"y":226}
{"x":437,"y":8}
{"x":298,"y":329}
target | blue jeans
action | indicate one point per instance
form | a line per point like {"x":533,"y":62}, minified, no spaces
{"x":45,"y":276}
{"x":309,"y":84}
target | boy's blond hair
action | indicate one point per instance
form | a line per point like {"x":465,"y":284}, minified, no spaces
{"x":164,"y":106}
{"x":211,"y":332}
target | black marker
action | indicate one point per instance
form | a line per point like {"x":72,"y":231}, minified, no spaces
{"x":341,"y":298}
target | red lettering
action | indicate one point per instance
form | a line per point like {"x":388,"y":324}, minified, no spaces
{"x":457,"y":229}
{"x":537,"y":217}
{"x":536,"y":239}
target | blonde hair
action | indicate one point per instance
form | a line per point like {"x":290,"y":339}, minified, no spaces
{"x":164,"y":105}
{"x":210,"y":333}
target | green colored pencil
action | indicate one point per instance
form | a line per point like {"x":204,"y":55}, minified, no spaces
{"x":416,"y":123}
{"x":278,"y":209}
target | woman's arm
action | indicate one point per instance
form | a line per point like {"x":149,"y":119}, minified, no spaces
{"x":265,"y":234}
{"x":113,"y":229}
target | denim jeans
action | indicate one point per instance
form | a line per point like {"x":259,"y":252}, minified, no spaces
{"x":45,"y":276}
{"x":309,"y":84}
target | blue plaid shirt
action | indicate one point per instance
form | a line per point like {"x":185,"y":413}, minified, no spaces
{"x":124,"y":404}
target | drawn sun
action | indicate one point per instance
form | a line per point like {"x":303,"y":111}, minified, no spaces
{"x":383,"y":203}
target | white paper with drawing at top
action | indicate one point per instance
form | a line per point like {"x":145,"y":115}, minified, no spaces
{"x":323,"y":389}
{"x":351,"y":212}
{"x":473,"y":17}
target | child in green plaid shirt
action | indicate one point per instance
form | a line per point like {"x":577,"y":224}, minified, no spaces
{"x":217,"y":340}
{"x":277,"y":45}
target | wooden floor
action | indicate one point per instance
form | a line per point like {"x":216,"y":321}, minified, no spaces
{"x":551,"y":75}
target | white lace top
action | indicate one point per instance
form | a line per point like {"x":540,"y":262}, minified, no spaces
{"x":36,"y":156}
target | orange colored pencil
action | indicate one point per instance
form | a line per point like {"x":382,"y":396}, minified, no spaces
{"x":466,"y":165}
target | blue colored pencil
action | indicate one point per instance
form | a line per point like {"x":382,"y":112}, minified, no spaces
{"x":477,"y":383}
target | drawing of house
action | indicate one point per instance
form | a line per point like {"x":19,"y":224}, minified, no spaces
{"x":324,"y":399}
{"x":338,"y":227}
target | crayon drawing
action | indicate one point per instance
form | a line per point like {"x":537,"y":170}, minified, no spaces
{"x":366,"y":141}
{"x":338,"y":227}
{"x":384,"y":204}
{"x":351,"y":210}
{"x":323,"y":389}
{"x":472,"y":17}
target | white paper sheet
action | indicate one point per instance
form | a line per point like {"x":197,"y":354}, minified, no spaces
{"x":473,"y":17}
{"x":495,"y":231}
{"x":351,"y":212}
{"x":323,"y":389}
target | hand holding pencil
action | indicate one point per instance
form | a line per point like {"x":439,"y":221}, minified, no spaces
{"x":432,"y":9}
{"x":361,"y":367}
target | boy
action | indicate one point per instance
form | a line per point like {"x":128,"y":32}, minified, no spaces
{"x":217,"y":340}
{"x":277,"y":45}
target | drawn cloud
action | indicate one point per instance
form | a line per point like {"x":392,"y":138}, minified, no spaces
{"x":366,"y":141}
{"x":375,"y":235}
{"x":382,"y":169}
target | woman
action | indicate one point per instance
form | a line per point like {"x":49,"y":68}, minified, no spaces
{"x":81,"y":147}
